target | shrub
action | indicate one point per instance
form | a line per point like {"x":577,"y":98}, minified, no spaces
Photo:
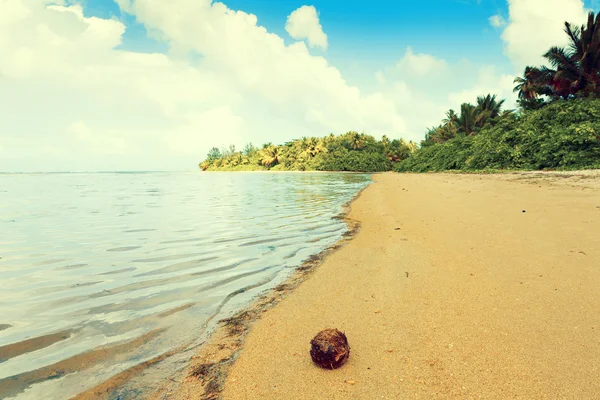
{"x":562,"y":135}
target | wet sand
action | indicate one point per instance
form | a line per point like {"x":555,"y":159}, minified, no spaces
{"x":456,"y":286}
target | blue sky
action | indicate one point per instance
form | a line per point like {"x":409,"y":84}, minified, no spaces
{"x":372,"y":32}
{"x":86,"y":93}
{"x":363,"y":35}
{"x":450,"y":29}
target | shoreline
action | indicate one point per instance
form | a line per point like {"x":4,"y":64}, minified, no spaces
{"x":206,"y":370}
{"x":216,"y":371}
{"x":456,"y":286}
{"x":294,"y":172}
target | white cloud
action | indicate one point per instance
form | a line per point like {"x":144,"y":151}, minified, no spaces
{"x":61,"y":71}
{"x":497,"y":21}
{"x":190,"y":137}
{"x":536,"y":25}
{"x":73,"y":102}
{"x":488,"y":81}
{"x":420,"y":64}
{"x":424,"y":99}
{"x":108,"y":143}
{"x":303,"y":23}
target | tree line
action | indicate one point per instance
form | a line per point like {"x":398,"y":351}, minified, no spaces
{"x":351,"y":151}
{"x":557,"y":125}
{"x":574,"y":70}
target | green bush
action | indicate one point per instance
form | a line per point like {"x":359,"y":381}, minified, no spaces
{"x":354,"y":161}
{"x":351,"y":151}
{"x":562,"y":135}
{"x":451,"y":155}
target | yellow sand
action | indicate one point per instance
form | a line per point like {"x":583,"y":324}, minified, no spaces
{"x":470,"y":298}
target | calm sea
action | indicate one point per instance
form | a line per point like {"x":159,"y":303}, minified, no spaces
{"x":103,"y":271}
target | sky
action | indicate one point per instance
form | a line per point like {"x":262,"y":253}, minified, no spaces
{"x":115,"y":85}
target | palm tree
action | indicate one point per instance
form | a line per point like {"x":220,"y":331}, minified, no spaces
{"x":356,"y":140}
{"x":385,"y":141}
{"x":585,"y":43}
{"x":535,"y":83}
{"x":441,"y":133}
{"x":312,"y":146}
{"x":528,"y":86}
{"x":487,"y":108}
{"x":450,"y":128}
{"x":467,"y":119}
{"x":239,"y":159}
{"x":249,"y":150}
{"x":329,"y":140}
{"x":320,"y":147}
{"x":398,"y":150}
{"x":412,"y":146}
{"x":576,"y":69}
{"x":451,"y":118}
{"x":269,"y":155}
{"x":490,"y":105}
{"x":579,"y":64}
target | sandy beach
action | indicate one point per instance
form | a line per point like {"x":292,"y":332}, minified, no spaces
{"x":455,"y":286}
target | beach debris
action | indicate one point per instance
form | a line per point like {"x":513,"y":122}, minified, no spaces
{"x":350,"y":382}
{"x":329,"y":349}
{"x":524,"y":211}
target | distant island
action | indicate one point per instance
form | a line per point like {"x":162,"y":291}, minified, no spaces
{"x":556,"y":126}
{"x":351,"y":151}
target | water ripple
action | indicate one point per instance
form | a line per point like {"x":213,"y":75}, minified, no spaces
{"x":111,"y":270}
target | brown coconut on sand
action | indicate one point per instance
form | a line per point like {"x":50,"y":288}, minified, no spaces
{"x":330,"y":349}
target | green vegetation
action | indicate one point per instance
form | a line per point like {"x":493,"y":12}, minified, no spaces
{"x":562,"y":135}
{"x":557,"y":126}
{"x":351,"y":151}
{"x":471,"y":120}
{"x":575,"y":71}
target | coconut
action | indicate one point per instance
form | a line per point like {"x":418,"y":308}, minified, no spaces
{"x":330,"y":349}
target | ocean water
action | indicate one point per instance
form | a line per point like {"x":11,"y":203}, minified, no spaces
{"x":103,"y":271}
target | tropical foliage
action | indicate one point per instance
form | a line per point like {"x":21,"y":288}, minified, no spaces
{"x":351,"y":151}
{"x":472,"y":119}
{"x":563,"y":135}
{"x":574,"y":71}
{"x":556,"y":127}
